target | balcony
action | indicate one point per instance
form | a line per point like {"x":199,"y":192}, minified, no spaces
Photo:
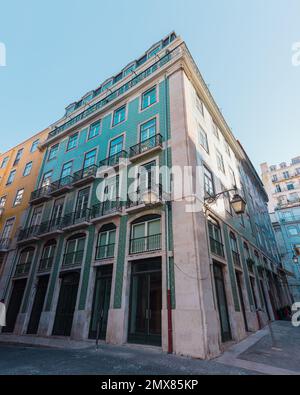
{"x":4,"y":245}
{"x":145,"y":244}
{"x":77,"y":219}
{"x":73,"y":259}
{"x":217,"y":247}
{"x":40,"y":195}
{"x":28,"y":234}
{"x":61,"y":186}
{"x":104,"y":209}
{"x":149,"y":198}
{"x":51,"y":227}
{"x":113,"y":161}
{"x":84,"y":176}
{"x":105,"y":252}
{"x":236,"y":259}
{"x":22,"y":269}
{"x":146,"y":147}
{"x":45,"y":265}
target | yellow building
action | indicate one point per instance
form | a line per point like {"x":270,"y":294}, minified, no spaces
{"x":19,"y":170}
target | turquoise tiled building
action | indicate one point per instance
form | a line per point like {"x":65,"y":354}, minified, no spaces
{"x":110,"y":250}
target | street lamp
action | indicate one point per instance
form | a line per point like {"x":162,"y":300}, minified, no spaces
{"x":238,"y":203}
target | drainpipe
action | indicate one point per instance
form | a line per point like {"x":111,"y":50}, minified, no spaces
{"x":168,"y":272}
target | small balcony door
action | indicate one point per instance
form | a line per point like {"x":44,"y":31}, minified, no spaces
{"x":7,"y":229}
{"x":147,"y":177}
{"x":57,"y":211}
{"x":36,"y":217}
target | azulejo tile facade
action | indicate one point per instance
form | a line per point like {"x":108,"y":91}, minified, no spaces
{"x":91,"y":264}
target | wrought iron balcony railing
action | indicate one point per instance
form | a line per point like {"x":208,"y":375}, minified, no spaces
{"x":45,"y":264}
{"x":106,"y":208}
{"x":217,"y":247}
{"x":22,"y":269}
{"x":145,"y":244}
{"x":147,"y":145}
{"x":61,"y":183}
{"x":77,"y":217}
{"x":51,"y":226}
{"x":105,"y":251}
{"x":28,"y":233}
{"x":151,"y":196}
{"x":113,"y":160}
{"x":73,"y":259}
{"x":4,"y":244}
{"x":40,"y":193}
{"x":85,"y":174}
{"x":236,"y":258}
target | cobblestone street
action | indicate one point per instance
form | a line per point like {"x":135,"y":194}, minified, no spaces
{"x":253,"y":356}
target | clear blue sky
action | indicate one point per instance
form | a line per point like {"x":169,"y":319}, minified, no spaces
{"x":60,"y":49}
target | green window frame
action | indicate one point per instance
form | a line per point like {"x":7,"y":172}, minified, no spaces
{"x":94,"y":130}
{"x":149,"y":98}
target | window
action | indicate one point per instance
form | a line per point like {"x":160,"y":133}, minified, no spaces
{"x":7,"y":229}
{"x":106,"y":85}
{"x":278,"y":188}
{"x":27,"y":169}
{"x":66,"y":170}
{"x":292,"y":230}
{"x":118,"y":78}
{"x":232,"y":178}
{"x":216,"y":130}
{"x":116,"y":146}
{"x":3,"y":201}
{"x":19,"y":197}
{"x":18,"y":156}
{"x":227,"y":148}
{"x":290,"y":186}
{"x":90,"y":159}
{"x":199,"y":105}
{"x":129,"y":70}
{"x":34,"y":146}
{"x":274,"y":178}
{"x":36,"y":217}
{"x":24,"y":262}
{"x":74,"y":251}
{"x":72,"y":143}
{"x":46,"y":179}
{"x":47,"y":256}
{"x":141,"y":61}
{"x":145,"y":235}
{"x":149,"y":98}
{"x":119,"y":116}
{"x":4,"y":162}
{"x":203,"y":138}
{"x":11,"y":177}
{"x":106,"y":242}
{"x":215,"y":237}
{"x":148,"y":130}
{"x":234,"y":250}
{"x":208,"y":182}
{"x":220,"y":162}
{"x":53,"y":152}
{"x":94,"y":130}
{"x":286,"y":174}
{"x":153,"y":52}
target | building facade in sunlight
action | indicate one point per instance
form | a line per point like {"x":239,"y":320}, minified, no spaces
{"x":283,"y":186}
{"x":114,"y":248}
{"x":19,"y":169}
